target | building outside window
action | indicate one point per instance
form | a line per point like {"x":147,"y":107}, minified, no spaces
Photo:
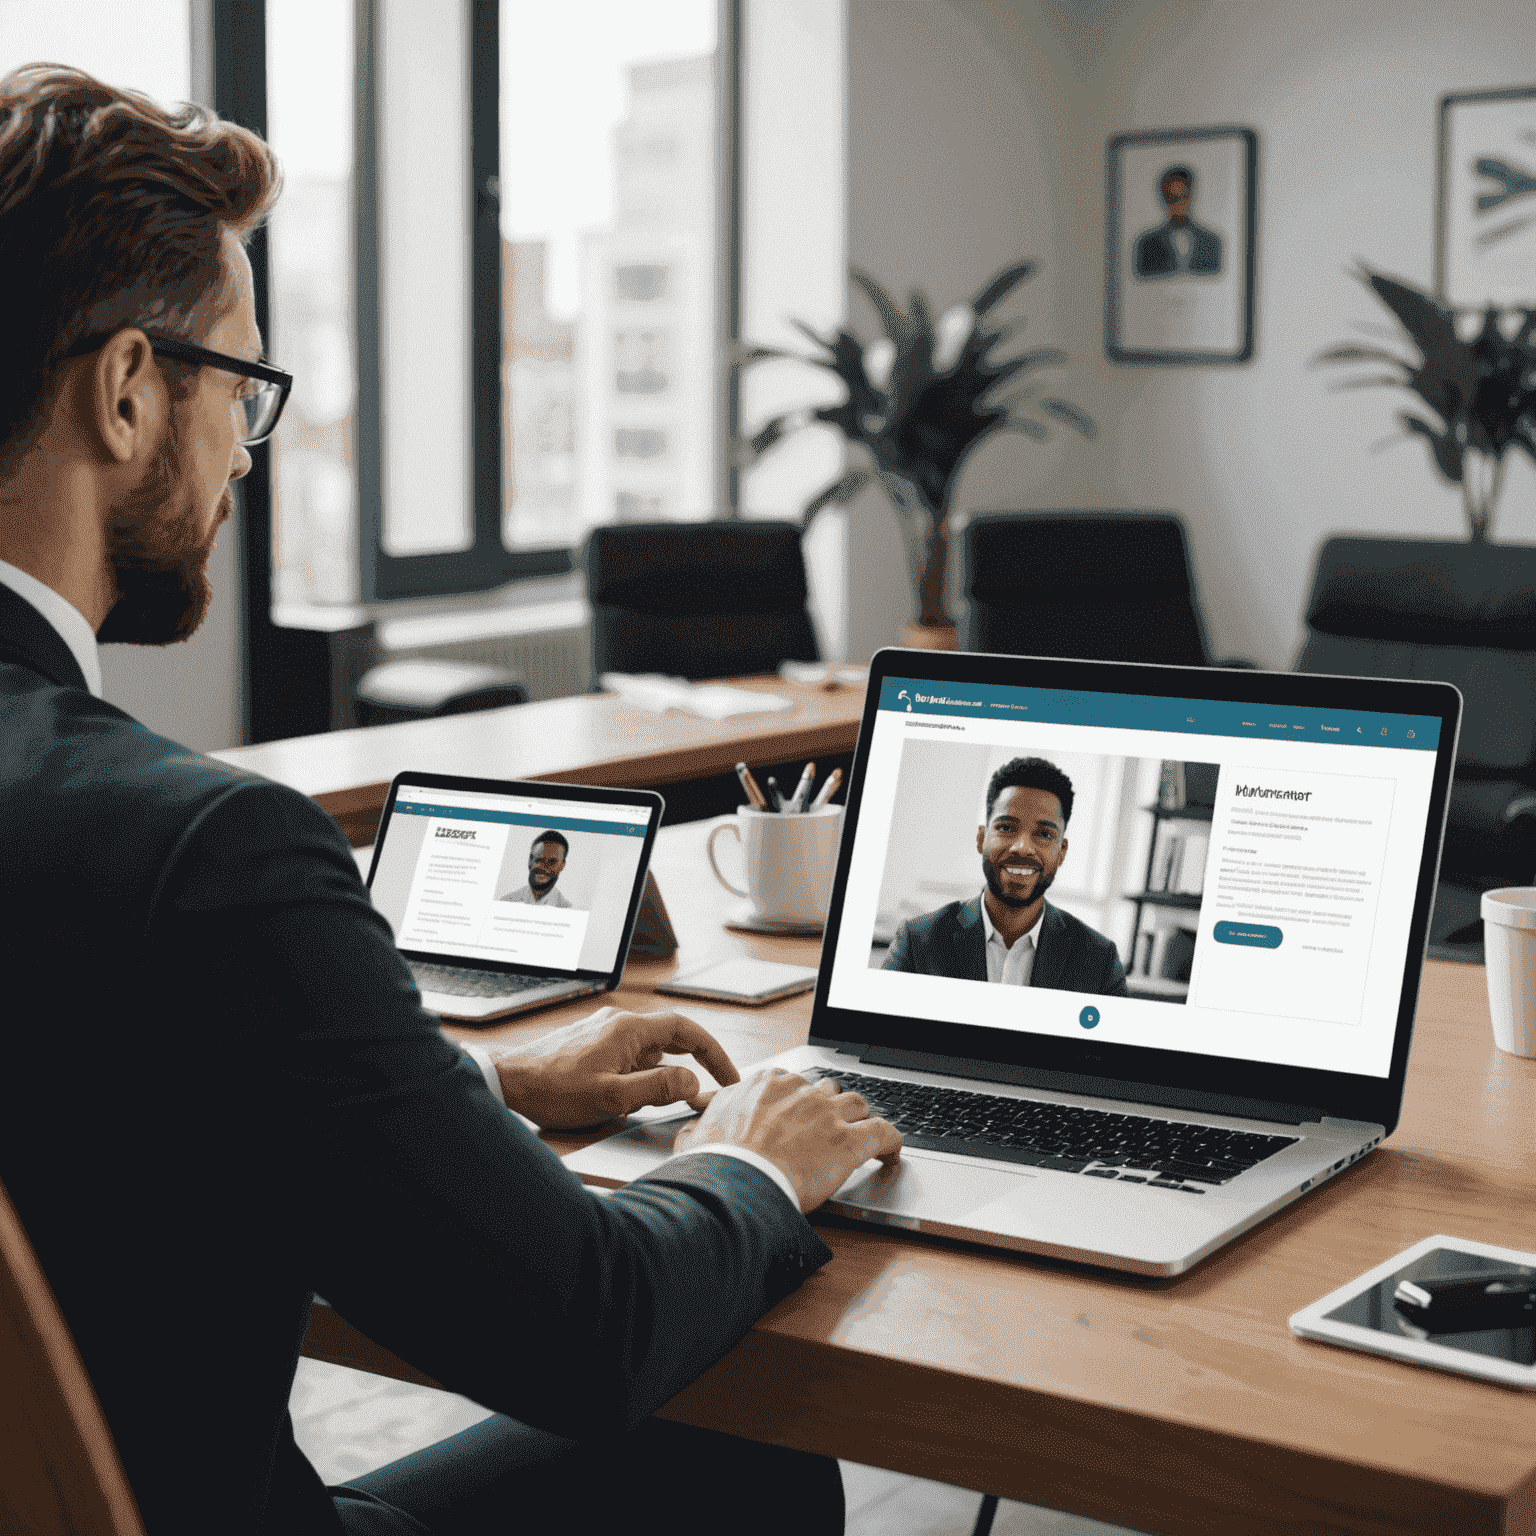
{"x":608,"y":216}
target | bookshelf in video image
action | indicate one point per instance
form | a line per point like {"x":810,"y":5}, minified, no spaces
{"x":1134,"y":854}
{"x":1168,"y":901}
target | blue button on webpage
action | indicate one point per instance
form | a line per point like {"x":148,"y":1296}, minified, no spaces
{"x":1257,"y":935}
{"x":1088,"y":1017}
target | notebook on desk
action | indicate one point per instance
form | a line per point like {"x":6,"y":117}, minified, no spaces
{"x":1225,"y":878}
{"x":507,"y":896}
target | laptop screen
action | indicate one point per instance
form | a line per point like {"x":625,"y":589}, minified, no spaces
{"x":522,"y":880}
{"x":1210,"y":877}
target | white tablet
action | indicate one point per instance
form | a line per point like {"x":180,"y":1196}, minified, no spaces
{"x":1366,"y":1314}
{"x":742,"y":980}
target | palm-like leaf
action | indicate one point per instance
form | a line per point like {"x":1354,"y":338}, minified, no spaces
{"x":1483,"y":390}
{"x":918,"y":428}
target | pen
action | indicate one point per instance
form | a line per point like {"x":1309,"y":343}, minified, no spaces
{"x":801,"y":797}
{"x":828,"y":789}
{"x":748,"y":783}
{"x":775,"y":799}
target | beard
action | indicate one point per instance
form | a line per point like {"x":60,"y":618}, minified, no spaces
{"x":157,"y":552}
{"x":995,"y":885}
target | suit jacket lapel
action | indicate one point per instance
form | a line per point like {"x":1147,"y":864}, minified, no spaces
{"x":1050,"y":950}
{"x":28,"y":638}
{"x":971,"y":942}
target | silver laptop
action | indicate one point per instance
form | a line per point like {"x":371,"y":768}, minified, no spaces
{"x":1129,"y":954}
{"x":507,"y":896}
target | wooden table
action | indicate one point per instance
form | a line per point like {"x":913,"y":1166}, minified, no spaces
{"x":589,"y":739}
{"x":1178,"y":1406}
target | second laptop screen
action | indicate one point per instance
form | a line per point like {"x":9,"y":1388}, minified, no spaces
{"x":540,"y":884}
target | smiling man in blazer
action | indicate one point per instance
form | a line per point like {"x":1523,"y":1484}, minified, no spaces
{"x":1009,"y":933}
{"x":220,"y":1094}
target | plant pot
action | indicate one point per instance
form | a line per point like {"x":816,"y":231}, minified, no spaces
{"x":930,"y":637}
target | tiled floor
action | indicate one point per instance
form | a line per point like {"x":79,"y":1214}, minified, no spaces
{"x":348,"y":1422}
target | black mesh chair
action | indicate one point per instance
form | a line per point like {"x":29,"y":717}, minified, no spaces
{"x":1454,"y":613}
{"x":1105,"y":586}
{"x":696,"y":600}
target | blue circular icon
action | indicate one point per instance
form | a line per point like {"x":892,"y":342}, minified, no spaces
{"x":1088,"y":1017}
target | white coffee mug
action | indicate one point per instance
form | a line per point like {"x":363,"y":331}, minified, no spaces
{"x":1509,"y":949}
{"x":790,"y":862}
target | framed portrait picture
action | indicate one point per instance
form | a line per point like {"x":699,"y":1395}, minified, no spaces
{"x":1180,"y":230}
{"x":1485,"y":232}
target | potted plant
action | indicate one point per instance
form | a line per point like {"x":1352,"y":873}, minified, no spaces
{"x":1483,"y":390}
{"x":918,"y":401}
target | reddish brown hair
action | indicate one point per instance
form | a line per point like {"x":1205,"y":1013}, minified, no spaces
{"x":111,"y":215}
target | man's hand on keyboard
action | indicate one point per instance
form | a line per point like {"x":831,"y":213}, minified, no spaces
{"x":816,"y":1135}
{"x":608,"y":1065}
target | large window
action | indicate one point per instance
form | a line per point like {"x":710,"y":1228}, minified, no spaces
{"x":608,"y":224}
{"x":309,"y":123}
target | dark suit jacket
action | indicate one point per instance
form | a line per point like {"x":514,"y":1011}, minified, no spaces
{"x":219,"y":1096}
{"x":1154,"y":255}
{"x":1069,"y":955}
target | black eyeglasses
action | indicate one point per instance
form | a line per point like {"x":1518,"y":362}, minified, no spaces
{"x":263,"y":403}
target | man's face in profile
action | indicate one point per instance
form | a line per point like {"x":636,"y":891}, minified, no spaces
{"x":1177,"y":196}
{"x":160,"y":535}
{"x":1022,"y":845}
{"x":545,"y":861}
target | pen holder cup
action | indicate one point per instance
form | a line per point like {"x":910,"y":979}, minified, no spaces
{"x":789,"y":860}
{"x":1509,"y":946}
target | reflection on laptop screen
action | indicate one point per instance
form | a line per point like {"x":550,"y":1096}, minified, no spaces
{"x":1220,"y":878}
{"x":522,"y":881}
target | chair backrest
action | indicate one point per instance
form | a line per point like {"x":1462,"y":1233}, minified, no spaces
{"x":1455,"y":613}
{"x":1106,"y":586}
{"x":716,"y":599}
{"x":59,"y":1469}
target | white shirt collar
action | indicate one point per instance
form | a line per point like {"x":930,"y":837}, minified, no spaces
{"x":73,"y":628}
{"x":993,"y":934}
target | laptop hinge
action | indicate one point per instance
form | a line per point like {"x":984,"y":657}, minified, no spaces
{"x":1338,"y":1123}
{"x":1094,"y":1087}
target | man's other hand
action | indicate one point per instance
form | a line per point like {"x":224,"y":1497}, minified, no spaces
{"x":608,"y":1065}
{"x":816,"y":1135}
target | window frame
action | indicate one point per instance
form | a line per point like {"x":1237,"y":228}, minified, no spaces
{"x":488,"y":564}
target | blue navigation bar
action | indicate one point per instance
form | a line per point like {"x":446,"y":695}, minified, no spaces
{"x":519,"y":819}
{"x":1138,"y":712}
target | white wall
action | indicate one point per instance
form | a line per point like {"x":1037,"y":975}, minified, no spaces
{"x":977,"y":132}
{"x":961,"y":118}
{"x":1267,"y":460}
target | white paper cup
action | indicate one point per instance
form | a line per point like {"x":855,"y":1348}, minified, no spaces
{"x":1509,"y":947}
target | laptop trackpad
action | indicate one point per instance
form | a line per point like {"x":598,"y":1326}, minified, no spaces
{"x":922,"y":1186}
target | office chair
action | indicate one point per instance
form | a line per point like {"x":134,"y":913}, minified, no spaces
{"x":1462,"y":614}
{"x":695,"y":600}
{"x":423,"y":688}
{"x":1107,"y":586}
{"x":59,"y":1469}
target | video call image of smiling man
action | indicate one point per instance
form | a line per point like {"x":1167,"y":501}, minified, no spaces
{"x":546,"y":860}
{"x":1009,"y":933}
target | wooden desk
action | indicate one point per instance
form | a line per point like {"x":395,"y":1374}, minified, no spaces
{"x":1180,"y":1406}
{"x":590,"y":739}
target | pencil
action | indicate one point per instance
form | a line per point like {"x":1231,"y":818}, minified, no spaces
{"x":828,"y":789}
{"x":775,"y":799}
{"x":748,"y":783}
{"x":800,"y":800}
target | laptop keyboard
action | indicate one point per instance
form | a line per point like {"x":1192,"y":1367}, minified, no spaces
{"x":1137,"y":1149}
{"x":462,"y":981}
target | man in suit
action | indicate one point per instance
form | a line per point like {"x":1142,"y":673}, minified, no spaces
{"x":1179,"y":247}
{"x":546,"y":862}
{"x":1010,"y":934}
{"x":220,"y":1094}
